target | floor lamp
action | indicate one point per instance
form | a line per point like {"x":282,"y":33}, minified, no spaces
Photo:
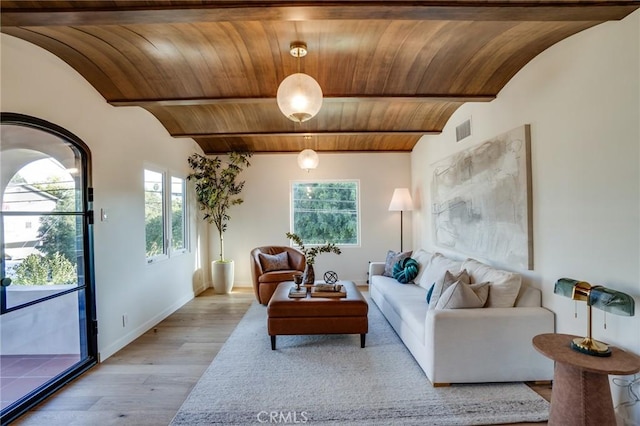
{"x":401,"y":201}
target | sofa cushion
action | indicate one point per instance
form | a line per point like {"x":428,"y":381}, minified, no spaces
{"x":461,"y":296}
{"x":438,"y":265}
{"x":423,"y":258}
{"x":442,"y":284}
{"x":393,"y":258}
{"x":504,"y":286}
{"x":528,"y":297}
{"x":274,"y":262}
{"x":405,"y":270}
{"x":407,"y":300}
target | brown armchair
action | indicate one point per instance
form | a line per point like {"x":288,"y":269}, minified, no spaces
{"x":270,"y":266}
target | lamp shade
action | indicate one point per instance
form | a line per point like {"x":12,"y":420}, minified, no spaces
{"x":299,"y":97}
{"x":600,"y":297}
{"x":308,"y":159}
{"x":401,"y":200}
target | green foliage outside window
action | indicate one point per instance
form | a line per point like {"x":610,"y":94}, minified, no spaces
{"x":58,"y":233}
{"x":326,"y":212}
{"x":56,"y":261}
{"x":178,"y":228}
{"x":154,"y":196}
{"x":45,"y":270}
{"x":155,"y":233}
{"x":154,"y":212}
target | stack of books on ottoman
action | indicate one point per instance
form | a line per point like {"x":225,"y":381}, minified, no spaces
{"x":318,"y":290}
{"x":328,"y":290}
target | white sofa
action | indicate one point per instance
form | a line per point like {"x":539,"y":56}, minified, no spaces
{"x":488,"y":344}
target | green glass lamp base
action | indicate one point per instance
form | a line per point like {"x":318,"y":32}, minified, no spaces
{"x":590,"y":347}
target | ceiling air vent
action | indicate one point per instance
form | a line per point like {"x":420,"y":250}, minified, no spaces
{"x":463,"y":130}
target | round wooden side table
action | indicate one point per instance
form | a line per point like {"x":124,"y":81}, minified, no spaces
{"x":581,"y":394}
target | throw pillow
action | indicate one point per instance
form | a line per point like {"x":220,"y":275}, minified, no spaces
{"x":463,"y":296}
{"x":441,"y":285}
{"x":430,"y":292}
{"x":423,"y":258}
{"x":438,"y":265}
{"x":504,"y":286}
{"x":393,"y":258}
{"x":274,"y":262}
{"x":405,"y":270}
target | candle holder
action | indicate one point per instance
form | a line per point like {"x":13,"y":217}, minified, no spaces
{"x":297,"y":279}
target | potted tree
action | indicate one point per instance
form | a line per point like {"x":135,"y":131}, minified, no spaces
{"x":217,"y":189}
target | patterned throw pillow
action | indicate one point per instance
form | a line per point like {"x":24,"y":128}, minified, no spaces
{"x":393,"y":258}
{"x":405,"y":270}
{"x":274,"y":262}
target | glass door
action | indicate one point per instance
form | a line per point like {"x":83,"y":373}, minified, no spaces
{"x":47,"y":307}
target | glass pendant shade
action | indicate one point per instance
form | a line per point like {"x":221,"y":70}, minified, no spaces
{"x":600,"y":297}
{"x":308,"y":159}
{"x":299,"y":97}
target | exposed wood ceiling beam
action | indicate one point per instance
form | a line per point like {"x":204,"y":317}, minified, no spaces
{"x":265,"y":10}
{"x":328,"y":99}
{"x":312,"y":133}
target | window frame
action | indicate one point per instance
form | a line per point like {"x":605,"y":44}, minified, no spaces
{"x":167,"y":213}
{"x":165,"y":242}
{"x":185,"y":222}
{"x":316,"y":181}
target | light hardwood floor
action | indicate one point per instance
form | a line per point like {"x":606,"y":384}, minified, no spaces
{"x":146,"y":382}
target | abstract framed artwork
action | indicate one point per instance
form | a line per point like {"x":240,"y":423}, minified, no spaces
{"x":481,"y":200}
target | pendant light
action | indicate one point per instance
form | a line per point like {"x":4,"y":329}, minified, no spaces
{"x":299,"y":96}
{"x":308,"y":159}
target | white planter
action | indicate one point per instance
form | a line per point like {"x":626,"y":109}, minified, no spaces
{"x":222,"y":276}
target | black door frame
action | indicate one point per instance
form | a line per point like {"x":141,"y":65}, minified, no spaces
{"x":90,"y":318}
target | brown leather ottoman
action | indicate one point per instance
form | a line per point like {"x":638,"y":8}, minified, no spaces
{"x":317,"y":315}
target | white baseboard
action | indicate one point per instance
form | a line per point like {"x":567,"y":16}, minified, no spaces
{"x":104,"y":353}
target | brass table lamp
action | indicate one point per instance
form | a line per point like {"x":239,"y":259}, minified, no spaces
{"x":599,"y":297}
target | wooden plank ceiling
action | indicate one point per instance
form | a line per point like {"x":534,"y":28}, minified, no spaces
{"x":391,"y":71}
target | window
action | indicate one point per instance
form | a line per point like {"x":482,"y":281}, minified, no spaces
{"x":154,"y":214}
{"x":43,"y":228}
{"x":165,"y":227}
{"x":326,"y":211}
{"x":178,"y":216}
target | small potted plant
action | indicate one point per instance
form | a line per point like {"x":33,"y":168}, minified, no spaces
{"x":217,"y":189}
{"x":310,"y":254}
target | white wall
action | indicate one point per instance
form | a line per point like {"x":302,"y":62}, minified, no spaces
{"x":264,"y":217}
{"x":122,"y":141}
{"x":582,"y":99}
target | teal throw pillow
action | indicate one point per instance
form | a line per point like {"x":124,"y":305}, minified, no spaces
{"x":405,"y":270}
{"x":430,"y":292}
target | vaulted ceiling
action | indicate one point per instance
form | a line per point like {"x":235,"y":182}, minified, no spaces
{"x":391,"y":71}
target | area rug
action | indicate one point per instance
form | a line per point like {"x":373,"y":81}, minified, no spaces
{"x":330,"y":380}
